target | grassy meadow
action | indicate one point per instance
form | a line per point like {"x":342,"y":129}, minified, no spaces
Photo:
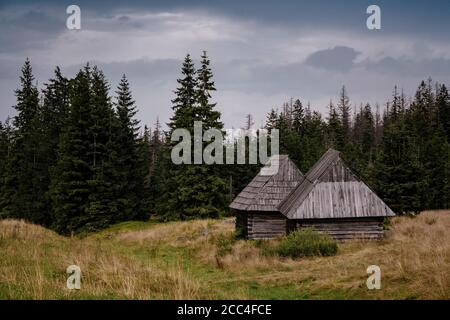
{"x":202,"y":260}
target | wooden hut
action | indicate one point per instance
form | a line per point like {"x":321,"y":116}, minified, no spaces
{"x":332,"y":199}
{"x":256,"y":207}
{"x":329,"y":198}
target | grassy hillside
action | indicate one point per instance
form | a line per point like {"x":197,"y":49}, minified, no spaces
{"x":201,"y":260}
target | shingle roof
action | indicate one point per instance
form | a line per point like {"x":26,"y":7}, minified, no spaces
{"x":331,"y":190}
{"x":322,"y":164}
{"x":268,"y":189}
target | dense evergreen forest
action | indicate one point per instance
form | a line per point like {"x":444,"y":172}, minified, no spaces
{"x":75,"y":159}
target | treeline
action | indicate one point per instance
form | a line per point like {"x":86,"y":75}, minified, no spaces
{"x":71,"y":159}
{"x":74,"y":158}
{"x":403,"y":153}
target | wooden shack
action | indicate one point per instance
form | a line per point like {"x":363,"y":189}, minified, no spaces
{"x":256,"y":207}
{"x":329,"y":198}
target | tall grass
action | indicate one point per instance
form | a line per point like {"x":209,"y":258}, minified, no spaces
{"x":33,"y":261}
{"x":202,"y":259}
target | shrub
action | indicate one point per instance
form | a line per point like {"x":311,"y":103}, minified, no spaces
{"x":306,"y":243}
{"x":239,"y":234}
{"x":225,"y":243}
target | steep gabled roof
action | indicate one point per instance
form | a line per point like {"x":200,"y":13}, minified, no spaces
{"x":316,"y":171}
{"x":268,"y":189}
{"x":331,"y":190}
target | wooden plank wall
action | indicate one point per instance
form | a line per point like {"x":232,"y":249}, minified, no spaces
{"x":265,"y":225}
{"x":345,"y":229}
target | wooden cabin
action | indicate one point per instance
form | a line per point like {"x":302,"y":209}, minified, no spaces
{"x":329,"y":198}
{"x":256,"y":207}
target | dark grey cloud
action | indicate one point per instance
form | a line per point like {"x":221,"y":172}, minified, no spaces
{"x":409,"y":67}
{"x":28,"y":28}
{"x":38,"y":20}
{"x":262,"y":52}
{"x":427,"y":18}
{"x":342,"y":59}
{"x":127,"y":21}
{"x":339,"y":58}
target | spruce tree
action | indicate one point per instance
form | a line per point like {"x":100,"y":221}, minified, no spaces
{"x":184,"y":106}
{"x":271,"y":120}
{"x":336,"y":135}
{"x":70,"y":187}
{"x":437,"y":171}
{"x":344,"y":113}
{"x":194,"y":190}
{"x":155,"y":163}
{"x":105,"y":198}
{"x":4,"y":155}
{"x":314,"y":142}
{"x":131,"y":180}
{"x":23,"y":194}
{"x":396,"y":105}
{"x":185,"y":103}
{"x":54,"y":112}
{"x":443,"y":108}
{"x":364,"y":129}
{"x":399,"y":174}
{"x":298,"y":117}
{"x":378,"y":125}
{"x":205,"y":110}
{"x":156,"y":140}
{"x":55,"y":109}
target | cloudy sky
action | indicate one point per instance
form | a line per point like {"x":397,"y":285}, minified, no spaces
{"x":263,"y":52}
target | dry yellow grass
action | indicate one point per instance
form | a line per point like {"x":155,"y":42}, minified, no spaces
{"x":200,"y":259}
{"x":414,"y":260}
{"x":34,"y":260}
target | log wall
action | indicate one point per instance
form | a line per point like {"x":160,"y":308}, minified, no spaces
{"x":261,"y":225}
{"x":344,"y":229}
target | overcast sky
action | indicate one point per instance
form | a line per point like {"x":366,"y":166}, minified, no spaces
{"x":263,"y":52}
